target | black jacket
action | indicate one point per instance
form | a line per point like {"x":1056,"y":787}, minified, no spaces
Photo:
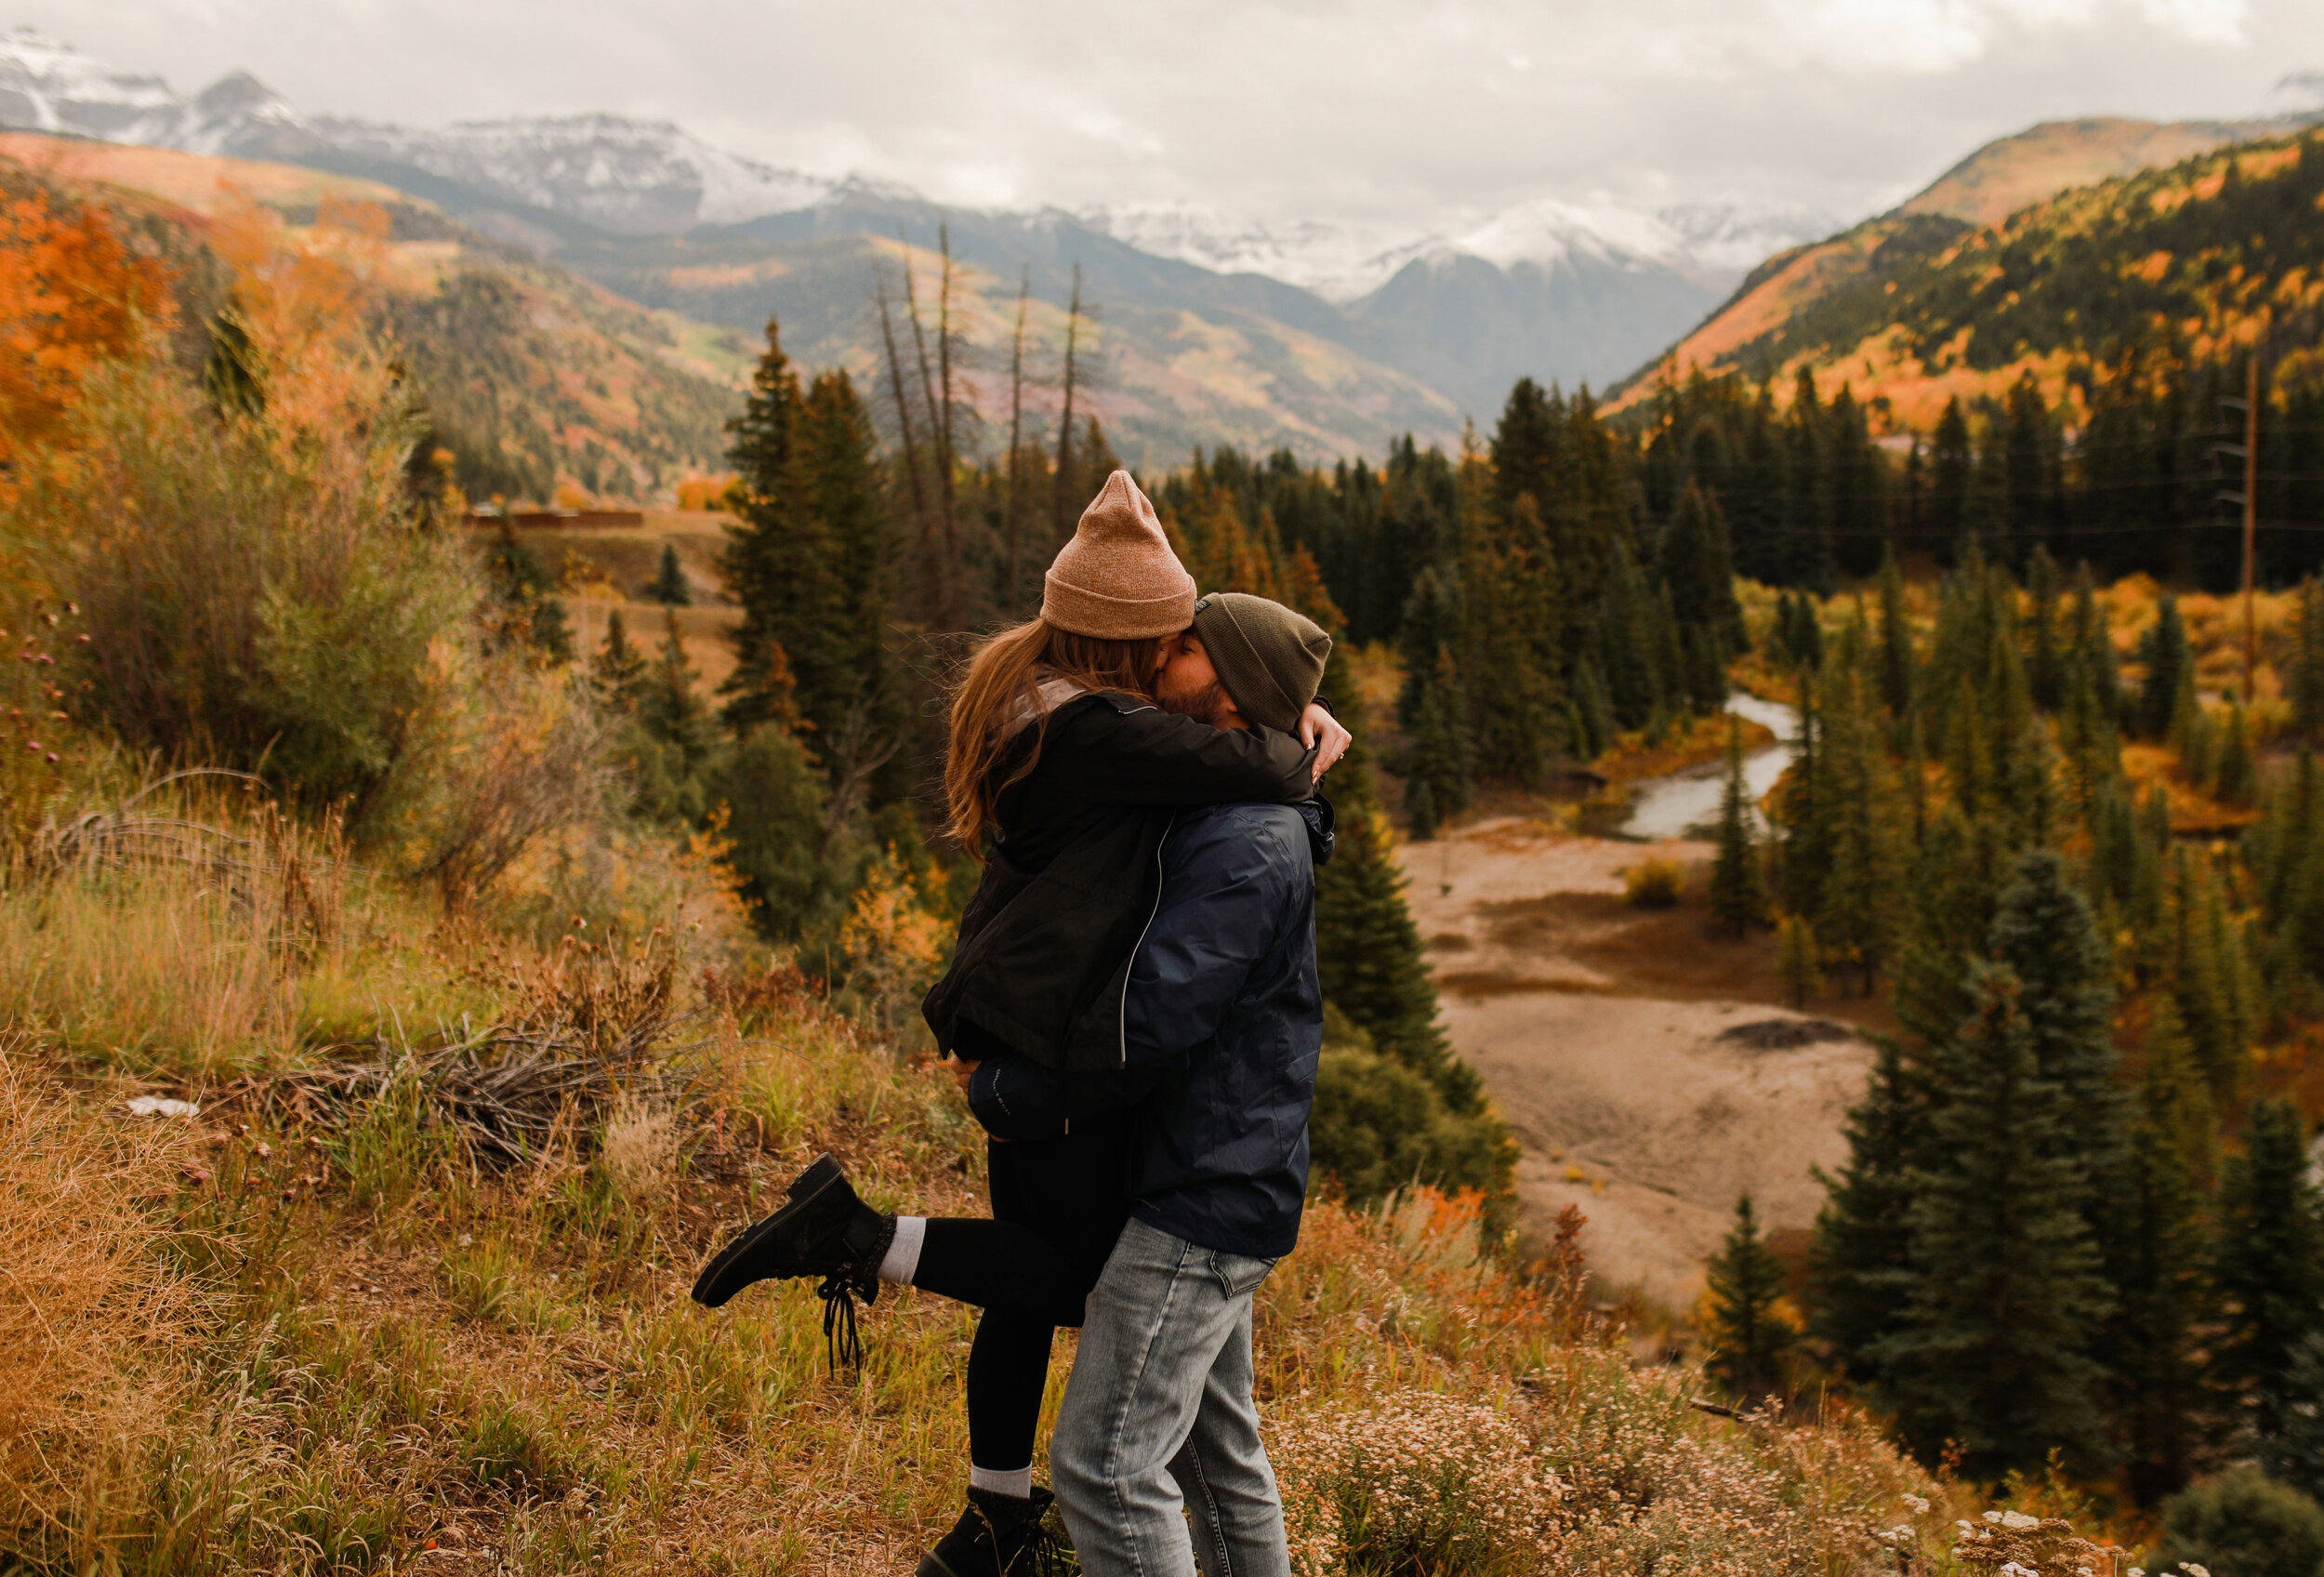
{"x":1046,"y":941}
{"x":1224,"y":1025}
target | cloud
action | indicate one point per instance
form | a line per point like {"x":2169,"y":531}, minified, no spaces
{"x":1404,"y":112}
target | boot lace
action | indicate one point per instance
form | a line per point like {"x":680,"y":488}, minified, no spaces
{"x":842,"y":1341}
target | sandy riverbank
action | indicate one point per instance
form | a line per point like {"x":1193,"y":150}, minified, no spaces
{"x":1609,"y":1036}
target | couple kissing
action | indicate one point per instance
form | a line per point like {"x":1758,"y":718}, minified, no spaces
{"x":1133,"y":1013}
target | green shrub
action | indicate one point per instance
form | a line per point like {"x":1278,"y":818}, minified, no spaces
{"x":1378,"y":1126}
{"x":2243,"y":1524}
{"x":797,"y":876}
{"x":260,"y":604}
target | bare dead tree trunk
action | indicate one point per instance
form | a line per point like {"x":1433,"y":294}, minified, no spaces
{"x":1016,"y":438}
{"x":1060,"y":521}
{"x":945,"y":615}
{"x":904,"y":419}
{"x":855,"y":757}
{"x":944,"y":449}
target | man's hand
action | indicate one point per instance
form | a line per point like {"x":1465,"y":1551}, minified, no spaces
{"x":1322,"y":733}
{"x":962,"y":1071}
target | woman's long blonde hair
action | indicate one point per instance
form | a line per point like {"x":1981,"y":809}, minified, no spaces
{"x":999,"y":694}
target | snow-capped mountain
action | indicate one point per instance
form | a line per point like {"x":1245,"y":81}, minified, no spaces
{"x":48,"y":87}
{"x":1338,"y":262}
{"x":1714,"y":244}
{"x":633,"y":177}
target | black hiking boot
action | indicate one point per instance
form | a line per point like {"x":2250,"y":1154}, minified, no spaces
{"x":999,"y":1536}
{"x":823,"y":1230}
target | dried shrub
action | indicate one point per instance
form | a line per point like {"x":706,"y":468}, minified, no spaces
{"x":639,"y":1150}
{"x":1418,"y":1481}
{"x":1654,"y":883}
{"x":174,"y":931}
{"x":89,"y":1308}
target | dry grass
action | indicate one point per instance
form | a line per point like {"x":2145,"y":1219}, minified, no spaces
{"x":86,"y":1303}
{"x":393,"y":1347}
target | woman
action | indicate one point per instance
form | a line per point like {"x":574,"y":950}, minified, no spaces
{"x":1063,"y":762}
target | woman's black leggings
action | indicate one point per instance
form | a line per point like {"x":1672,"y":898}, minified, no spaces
{"x":1057,"y":1209}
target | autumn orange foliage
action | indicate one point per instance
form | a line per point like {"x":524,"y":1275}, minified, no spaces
{"x":72,"y":294}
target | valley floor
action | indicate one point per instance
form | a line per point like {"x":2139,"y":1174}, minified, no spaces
{"x":1649,"y":1067}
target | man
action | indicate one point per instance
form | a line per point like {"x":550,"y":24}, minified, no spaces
{"x":1222,"y":1025}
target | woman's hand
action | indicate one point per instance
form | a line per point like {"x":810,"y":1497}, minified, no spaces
{"x":962,"y":1071}
{"x":1322,"y":733}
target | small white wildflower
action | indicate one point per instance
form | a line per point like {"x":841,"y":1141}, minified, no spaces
{"x":2010,"y":1569}
{"x":2136,"y":1572}
{"x":1993,"y":1516}
{"x":2019,"y":1519}
{"x":1964,"y":1524}
{"x":1919,"y":1508}
{"x":2194,"y":1571}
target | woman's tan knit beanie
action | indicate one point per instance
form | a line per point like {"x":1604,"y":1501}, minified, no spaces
{"x":1118,"y":578}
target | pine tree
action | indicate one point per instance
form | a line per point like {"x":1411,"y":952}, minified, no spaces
{"x":1896,"y":661}
{"x":2046,"y":664}
{"x":1857,"y":915}
{"x":668,"y":708}
{"x":668,"y":586}
{"x":1749,"y":1338}
{"x":2159,"y":1400}
{"x":2170,"y":669}
{"x":2308,"y":663}
{"x":2236,"y":779}
{"x":618,"y":671}
{"x":1516,"y":606}
{"x":1699,"y":566}
{"x":779,"y":561}
{"x":528,"y":608}
{"x":1433,"y":707}
{"x":1738,"y":884}
{"x":1955,"y":885}
{"x":2044,"y":934}
{"x":1859,"y":1263}
{"x":2006,"y":1306}
{"x":2269,"y":1269}
{"x":1368,"y":950}
{"x":2093,"y":651}
{"x":1797,"y":961}
{"x":2208,"y":973}
{"x":2294,"y":1454}
{"x":1950,"y":463}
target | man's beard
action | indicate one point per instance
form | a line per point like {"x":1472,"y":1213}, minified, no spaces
{"x":1206,"y":705}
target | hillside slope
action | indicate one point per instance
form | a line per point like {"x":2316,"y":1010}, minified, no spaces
{"x":533,"y":379}
{"x":1938,"y":299}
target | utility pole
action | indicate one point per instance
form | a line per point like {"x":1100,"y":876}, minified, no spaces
{"x":2251,"y":520}
{"x":2249,"y":453}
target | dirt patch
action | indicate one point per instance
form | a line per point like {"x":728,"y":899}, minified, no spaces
{"x":1670,"y":952}
{"x":1784,"y":1034}
{"x":1651,"y":1066}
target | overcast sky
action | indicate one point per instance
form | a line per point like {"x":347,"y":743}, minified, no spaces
{"x":1383,"y":110}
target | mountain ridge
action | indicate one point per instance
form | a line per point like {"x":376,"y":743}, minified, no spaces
{"x":553,"y":184}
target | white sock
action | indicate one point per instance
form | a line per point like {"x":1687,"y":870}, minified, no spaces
{"x":904,"y":1254}
{"x":1016,"y":1484}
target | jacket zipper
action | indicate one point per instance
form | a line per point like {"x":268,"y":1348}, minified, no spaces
{"x":1121,"y":1016}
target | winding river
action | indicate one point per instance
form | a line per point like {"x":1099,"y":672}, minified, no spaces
{"x":1669,"y":807}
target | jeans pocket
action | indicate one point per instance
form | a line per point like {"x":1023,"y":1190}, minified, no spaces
{"x":1239,"y":1274}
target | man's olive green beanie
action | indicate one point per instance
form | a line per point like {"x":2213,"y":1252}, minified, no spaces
{"x":1270,"y":659}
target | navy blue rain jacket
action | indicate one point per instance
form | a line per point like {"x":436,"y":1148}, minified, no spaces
{"x":1222,"y":1025}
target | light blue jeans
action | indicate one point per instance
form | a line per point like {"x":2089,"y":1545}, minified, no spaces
{"x":1158,"y":1414}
